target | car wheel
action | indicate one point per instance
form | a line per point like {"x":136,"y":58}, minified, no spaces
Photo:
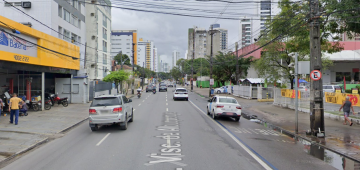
{"x":207,"y":110}
{"x":94,"y":128}
{"x":237,"y":119}
{"x":218,"y":91}
{"x":124,"y":125}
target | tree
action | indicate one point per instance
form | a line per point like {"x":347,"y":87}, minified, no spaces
{"x":117,"y":77}
{"x":289,"y":29}
{"x":224,"y":67}
{"x":124,"y":57}
{"x":201,"y":66}
{"x":176,"y":73}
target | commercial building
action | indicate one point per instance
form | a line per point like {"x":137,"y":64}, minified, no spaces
{"x":34,"y":63}
{"x":146,"y":54}
{"x":98,"y":38}
{"x":64,"y":19}
{"x":175,"y":57}
{"x":196,"y":38}
{"x":124,"y":41}
{"x":156,"y":58}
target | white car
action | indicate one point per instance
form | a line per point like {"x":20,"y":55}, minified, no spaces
{"x":222,"y":89}
{"x":181,"y":93}
{"x":222,"y":106}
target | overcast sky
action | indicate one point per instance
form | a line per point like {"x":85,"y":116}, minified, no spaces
{"x":168,"y":32}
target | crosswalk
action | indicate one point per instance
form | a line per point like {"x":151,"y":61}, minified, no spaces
{"x":257,"y":131}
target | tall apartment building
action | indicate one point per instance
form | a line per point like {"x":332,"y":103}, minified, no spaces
{"x":197,"y":37}
{"x":220,"y":40}
{"x":250,"y":28}
{"x":155,"y":57}
{"x":98,"y":35}
{"x":124,"y":41}
{"x":67,"y":17}
{"x":175,"y":57}
{"x":146,"y":54}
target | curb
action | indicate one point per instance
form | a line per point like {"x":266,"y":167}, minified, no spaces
{"x":68,"y":128}
{"x":24,"y":150}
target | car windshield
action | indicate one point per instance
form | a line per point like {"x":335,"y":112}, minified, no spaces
{"x":227,"y":100}
{"x":105,"y":101}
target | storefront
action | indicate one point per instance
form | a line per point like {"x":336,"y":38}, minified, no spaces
{"x":30,"y":62}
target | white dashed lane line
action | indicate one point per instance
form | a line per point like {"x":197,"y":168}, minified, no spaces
{"x":139,"y":104}
{"x":167,"y":109}
{"x":102,"y":140}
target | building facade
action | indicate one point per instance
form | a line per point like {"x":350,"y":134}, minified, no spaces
{"x":146,"y":54}
{"x":220,"y":41}
{"x":124,"y":41}
{"x":175,"y":57}
{"x":98,"y":35}
{"x":66,"y":17}
{"x":155,"y":56}
{"x":196,"y":38}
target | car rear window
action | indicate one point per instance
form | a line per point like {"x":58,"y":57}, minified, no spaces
{"x":227,"y":100}
{"x":181,"y":90}
{"x":106,"y":101}
{"x":337,"y":87}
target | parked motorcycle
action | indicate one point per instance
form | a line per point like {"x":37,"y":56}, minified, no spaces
{"x":48,"y":104}
{"x":33,"y":105}
{"x":56,"y":99}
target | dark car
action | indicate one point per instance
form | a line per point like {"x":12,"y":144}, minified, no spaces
{"x":162,"y":87}
{"x":170,"y":85}
{"x":150,"y":88}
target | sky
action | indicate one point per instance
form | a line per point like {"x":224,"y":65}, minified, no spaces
{"x":169,"y":32}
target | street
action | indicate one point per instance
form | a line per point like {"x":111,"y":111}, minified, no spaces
{"x":154,"y":141}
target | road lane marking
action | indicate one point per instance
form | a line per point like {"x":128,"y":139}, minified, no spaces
{"x":144,"y":100}
{"x":167,"y":109}
{"x":179,"y":169}
{"x":102,"y":140}
{"x":166,"y":103}
{"x":166,"y":99}
{"x":249,"y":150}
{"x":139,"y":104}
{"x":168,"y":142}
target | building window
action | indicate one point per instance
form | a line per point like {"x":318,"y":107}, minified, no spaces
{"x":340,"y":76}
{"x":104,"y":33}
{"x":79,"y":23}
{"x":60,"y":31}
{"x":66,"y":16}
{"x":76,"y":4}
{"x":104,"y":71}
{"x":247,"y":25}
{"x":60,"y":11}
{"x":104,"y":59}
{"x":79,"y":40}
{"x":104,"y":20}
{"x":104,"y":46}
{"x":66,"y":35}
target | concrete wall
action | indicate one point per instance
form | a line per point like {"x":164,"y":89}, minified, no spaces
{"x":79,"y":89}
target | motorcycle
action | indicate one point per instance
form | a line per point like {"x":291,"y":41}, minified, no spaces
{"x":154,"y":91}
{"x":139,"y":94}
{"x":48,"y":104}
{"x":55,"y":99}
{"x":32,"y":105}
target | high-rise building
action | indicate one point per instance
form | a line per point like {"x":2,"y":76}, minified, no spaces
{"x":251,"y":28}
{"x":220,"y":40}
{"x":175,"y":57}
{"x":98,"y":35}
{"x":155,"y":63}
{"x":146,"y":54}
{"x":66,"y":17}
{"x":124,"y":41}
{"x":199,"y":35}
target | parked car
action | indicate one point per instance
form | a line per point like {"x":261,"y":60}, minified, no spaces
{"x":181,"y":93}
{"x":221,"y":106}
{"x":221,"y":89}
{"x":162,"y":87}
{"x":110,"y":109}
{"x":330,"y":88}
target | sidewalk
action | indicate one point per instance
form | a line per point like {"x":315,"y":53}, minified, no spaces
{"x":341,"y":138}
{"x":37,"y":128}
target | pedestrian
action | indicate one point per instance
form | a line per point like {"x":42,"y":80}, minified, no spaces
{"x":24,"y":108}
{"x":346,"y":109}
{"x":14,"y":108}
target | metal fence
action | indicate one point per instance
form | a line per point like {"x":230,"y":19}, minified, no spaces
{"x":283,"y":100}
{"x":99,"y":88}
{"x":265,"y":92}
{"x":248,"y":92}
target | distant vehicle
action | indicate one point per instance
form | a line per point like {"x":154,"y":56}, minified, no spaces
{"x":162,"y":87}
{"x":110,"y":109}
{"x":150,"y":87}
{"x":330,"y":88}
{"x":221,"y":89}
{"x":170,"y":85}
{"x":221,"y":106}
{"x":181,"y":93}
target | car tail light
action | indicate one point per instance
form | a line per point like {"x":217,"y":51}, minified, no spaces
{"x":220,"y":106}
{"x":185,"y":93}
{"x":117,"y":110}
{"x":92,"y":111}
{"x":176,"y":93}
{"x":238,"y":107}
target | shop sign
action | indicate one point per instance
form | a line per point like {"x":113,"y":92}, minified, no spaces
{"x":21,"y":47}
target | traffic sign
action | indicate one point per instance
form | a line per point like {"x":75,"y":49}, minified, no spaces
{"x":211,"y":82}
{"x":315,"y":75}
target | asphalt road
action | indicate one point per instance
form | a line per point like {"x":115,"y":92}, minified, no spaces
{"x":171,"y":135}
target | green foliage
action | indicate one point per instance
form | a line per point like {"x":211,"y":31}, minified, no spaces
{"x":123,"y":57}
{"x":224,"y":67}
{"x":201,"y":66}
{"x":176,"y":73}
{"x":117,"y":76}
{"x":144,"y":72}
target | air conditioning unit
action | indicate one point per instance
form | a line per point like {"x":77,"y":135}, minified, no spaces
{"x":93,"y":37}
{"x":93,"y":65}
{"x":26,"y":4}
{"x":92,"y":14}
{"x":93,"y":1}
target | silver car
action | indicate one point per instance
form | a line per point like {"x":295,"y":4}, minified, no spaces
{"x":110,"y":109}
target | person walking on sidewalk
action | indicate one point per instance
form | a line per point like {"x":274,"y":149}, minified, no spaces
{"x":14,"y":108}
{"x":346,"y":108}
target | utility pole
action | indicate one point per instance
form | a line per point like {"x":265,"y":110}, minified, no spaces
{"x":133,"y":59}
{"x":192,"y":63}
{"x":212,"y":32}
{"x":296,"y":93}
{"x":237,"y":64}
{"x":121,"y":60}
{"x":143,"y":77}
{"x":316,"y":88}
